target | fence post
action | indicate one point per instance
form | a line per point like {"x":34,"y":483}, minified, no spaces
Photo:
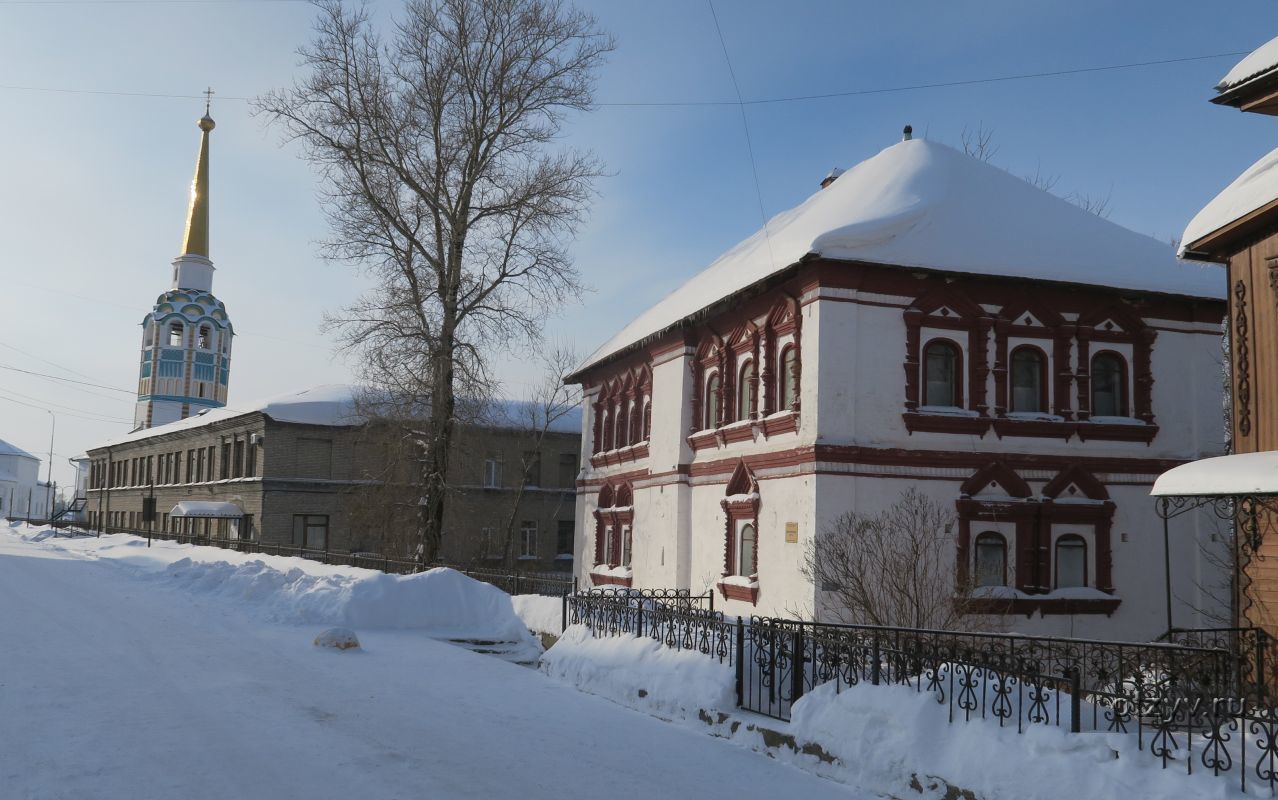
{"x":563,"y":623}
{"x":1261,"y":681}
{"x":797,"y":668}
{"x":1075,"y":699}
{"x":875,"y":658}
{"x":639,"y":619}
{"x":740,"y":661}
{"x":517,"y":583}
{"x":711,"y":593}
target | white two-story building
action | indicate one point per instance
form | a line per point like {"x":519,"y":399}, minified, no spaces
{"x":923,"y":320}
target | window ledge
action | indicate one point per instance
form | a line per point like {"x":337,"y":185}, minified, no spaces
{"x":946,"y":423}
{"x":603,"y":575}
{"x":1045,"y":606}
{"x":732,"y":587}
{"x":621,"y":455}
{"x":744,"y":430}
{"x":1117,"y":431}
{"x":1041,"y":428}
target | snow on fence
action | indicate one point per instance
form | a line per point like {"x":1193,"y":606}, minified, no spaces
{"x":1199,"y":702}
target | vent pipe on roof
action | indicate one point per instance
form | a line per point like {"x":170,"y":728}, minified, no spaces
{"x":829,"y":179}
{"x":908,"y":133}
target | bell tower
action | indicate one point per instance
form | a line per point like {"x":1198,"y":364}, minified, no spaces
{"x":186,"y":338}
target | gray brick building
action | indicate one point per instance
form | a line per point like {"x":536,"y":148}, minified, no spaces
{"x":302,"y":469}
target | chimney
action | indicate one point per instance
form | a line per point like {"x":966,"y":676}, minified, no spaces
{"x":832,"y":177}
{"x":908,"y":133}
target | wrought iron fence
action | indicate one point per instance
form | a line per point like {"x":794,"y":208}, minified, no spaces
{"x":511,"y":583}
{"x":1197,"y":702}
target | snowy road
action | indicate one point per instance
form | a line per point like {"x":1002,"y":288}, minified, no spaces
{"x":116,"y":686}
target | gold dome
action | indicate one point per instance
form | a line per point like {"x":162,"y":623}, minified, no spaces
{"x":206,"y":123}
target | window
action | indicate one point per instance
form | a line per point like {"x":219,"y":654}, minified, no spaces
{"x":789,"y":383}
{"x":1109,"y":385}
{"x":1029,"y":380}
{"x":941,"y":368}
{"x":1071,"y":562}
{"x":991,"y":559}
{"x":310,"y":531}
{"x":175,"y":334}
{"x":625,"y":545}
{"x":568,"y":470}
{"x":489,"y":541}
{"x":492,"y":470}
{"x":623,"y":417}
{"x":745,"y":549}
{"x":528,"y":539}
{"x":564,"y":537}
{"x":532,"y":468}
{"x":205,"y":342}
{"x":239,"y":458}
{"x":250,"y":466}
{"x":224,"y":468}
{"x":712,"y":401}
{"x":199,"y":465}
{"x":746,"y":392}
{"x":608,"y":546}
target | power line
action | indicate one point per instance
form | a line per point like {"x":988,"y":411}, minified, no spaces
{"x":66,"y":413}
{"x":46,"y":361}
{"x":67,"y":380}
{"x":687,"y":103}
{"x":745,"y":125}
{"x":106,"y":416}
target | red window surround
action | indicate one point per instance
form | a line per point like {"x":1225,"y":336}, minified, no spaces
{"x":765,"y":346}
{"x":1033,"y":518}
{"x":615,"y":511}
{"x":740,"y":504}
{"x":623,"y":417}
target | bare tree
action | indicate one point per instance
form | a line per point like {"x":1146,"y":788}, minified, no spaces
{"x":1041,"y":179}
{"x":893,"y":568}
{"x":434,"y":149}
{"x":979,"y":143}
{"x":1098,"y":205}
{"x":548,"y":403}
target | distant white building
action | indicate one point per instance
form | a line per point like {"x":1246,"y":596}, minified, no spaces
{"x":923,"y":320}
{"x":22,"y":494}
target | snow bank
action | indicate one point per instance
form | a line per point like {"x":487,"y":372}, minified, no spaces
{"x":641,"y":673}
{"x":541,"y":614}
{"x":442,"y":603}
{"x":882,"y":739}
{"x":885,"y":736}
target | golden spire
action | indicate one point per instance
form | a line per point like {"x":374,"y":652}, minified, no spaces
{"x":196,"y":239}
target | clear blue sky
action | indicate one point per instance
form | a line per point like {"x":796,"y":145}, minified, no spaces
{"x":93,"y":187}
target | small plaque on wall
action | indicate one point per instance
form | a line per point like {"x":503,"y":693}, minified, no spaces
{"x":791,"y":533}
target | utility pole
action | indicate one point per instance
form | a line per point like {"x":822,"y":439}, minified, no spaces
{"x":48,"y":480}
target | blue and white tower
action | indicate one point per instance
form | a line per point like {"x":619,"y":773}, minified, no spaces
{"x":186,"y":339}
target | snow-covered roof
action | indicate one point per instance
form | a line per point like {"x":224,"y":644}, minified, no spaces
{"x":1255,"y":188}
{"x":7,"y":449}
{"x":335,"y":404}
{"x":329,"y":404}
{"x":923,"y":204}
{"x":1262,"y":59}
{"x":1222,"y":476}
{"x":524,"y":414}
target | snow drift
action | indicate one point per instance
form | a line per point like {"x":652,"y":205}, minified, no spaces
{"x":442,"y":602}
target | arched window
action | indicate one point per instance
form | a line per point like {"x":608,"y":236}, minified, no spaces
{"x":1029,"y":379}
{"x":175,"y":334}
{"x":991,"y":559}
{"x":647,"y":419}
{"x":1109,"y":385}
{"x":1071,"y":562}
{"x":622,"y":417}
{"x":942,"y":367}
{"x":712,"y":401}
{"x":205,"y":341}
{"x":607,"y":429}
{"x":745,"y":550}
{"x":789,"y":381}
{"x":746,"y":392}
{"x":148,"y":337}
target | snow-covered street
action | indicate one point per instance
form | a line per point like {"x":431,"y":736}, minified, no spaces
{"x":117,"y":684}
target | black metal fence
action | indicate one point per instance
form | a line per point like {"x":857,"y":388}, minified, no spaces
{"x":511,"y":583}
{"x":1198,"y":702}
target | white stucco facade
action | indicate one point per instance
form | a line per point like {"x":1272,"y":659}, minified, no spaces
{"x":22,"y":493}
